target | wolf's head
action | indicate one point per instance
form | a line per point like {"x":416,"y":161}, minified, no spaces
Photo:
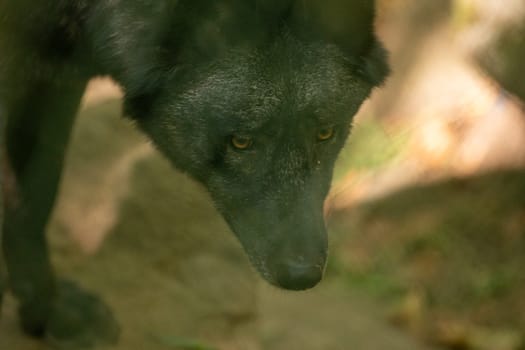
{"x":257,"y":108}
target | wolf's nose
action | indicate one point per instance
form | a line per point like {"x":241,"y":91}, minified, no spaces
{"x":298,"y":276}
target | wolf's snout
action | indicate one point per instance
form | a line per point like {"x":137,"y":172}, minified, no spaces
{"x":295,"y":275}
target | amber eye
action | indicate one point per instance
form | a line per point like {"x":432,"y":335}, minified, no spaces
{"x":241,"y":142}
{"x":325,"y":133}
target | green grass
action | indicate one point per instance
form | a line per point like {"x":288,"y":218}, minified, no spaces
{"x":369,"y":146}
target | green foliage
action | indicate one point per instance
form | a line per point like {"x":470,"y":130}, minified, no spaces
{"x":368,"y":147}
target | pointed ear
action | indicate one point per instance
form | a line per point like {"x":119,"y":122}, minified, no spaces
{"x":375,"y":63}
{"x":350,"y":25}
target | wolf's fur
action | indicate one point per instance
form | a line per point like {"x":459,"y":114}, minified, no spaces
{"x":197,"y":75}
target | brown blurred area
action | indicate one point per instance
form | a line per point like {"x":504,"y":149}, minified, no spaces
{"x":442,"y":96}
{"x":441,"y":219}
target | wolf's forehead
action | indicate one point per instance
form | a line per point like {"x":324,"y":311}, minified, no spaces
{"x":253,"y":88}
{"x":295,"y":96}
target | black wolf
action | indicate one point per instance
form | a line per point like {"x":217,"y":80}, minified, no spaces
{"x":252,"y":98}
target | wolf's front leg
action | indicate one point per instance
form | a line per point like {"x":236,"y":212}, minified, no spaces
{"x":39,"y":123}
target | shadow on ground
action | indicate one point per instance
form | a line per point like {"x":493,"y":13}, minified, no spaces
{"x":450,"y":252}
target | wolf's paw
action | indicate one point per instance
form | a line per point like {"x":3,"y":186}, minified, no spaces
{"x":77,"y":320}
{"x":80,"y":320}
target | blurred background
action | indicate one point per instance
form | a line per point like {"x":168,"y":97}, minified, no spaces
{"x":426,"y":215}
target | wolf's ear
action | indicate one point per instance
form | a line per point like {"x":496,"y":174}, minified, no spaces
{"x":350,"y":25}
{"x":375,"y":64}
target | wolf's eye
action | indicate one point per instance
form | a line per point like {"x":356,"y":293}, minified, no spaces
{"x":241,"y":142}
{"x":325,"y":133}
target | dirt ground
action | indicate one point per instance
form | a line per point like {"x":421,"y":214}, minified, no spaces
{"x":169,"y":267}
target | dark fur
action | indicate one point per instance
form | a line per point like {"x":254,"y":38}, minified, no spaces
{"x":195,"y":74}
